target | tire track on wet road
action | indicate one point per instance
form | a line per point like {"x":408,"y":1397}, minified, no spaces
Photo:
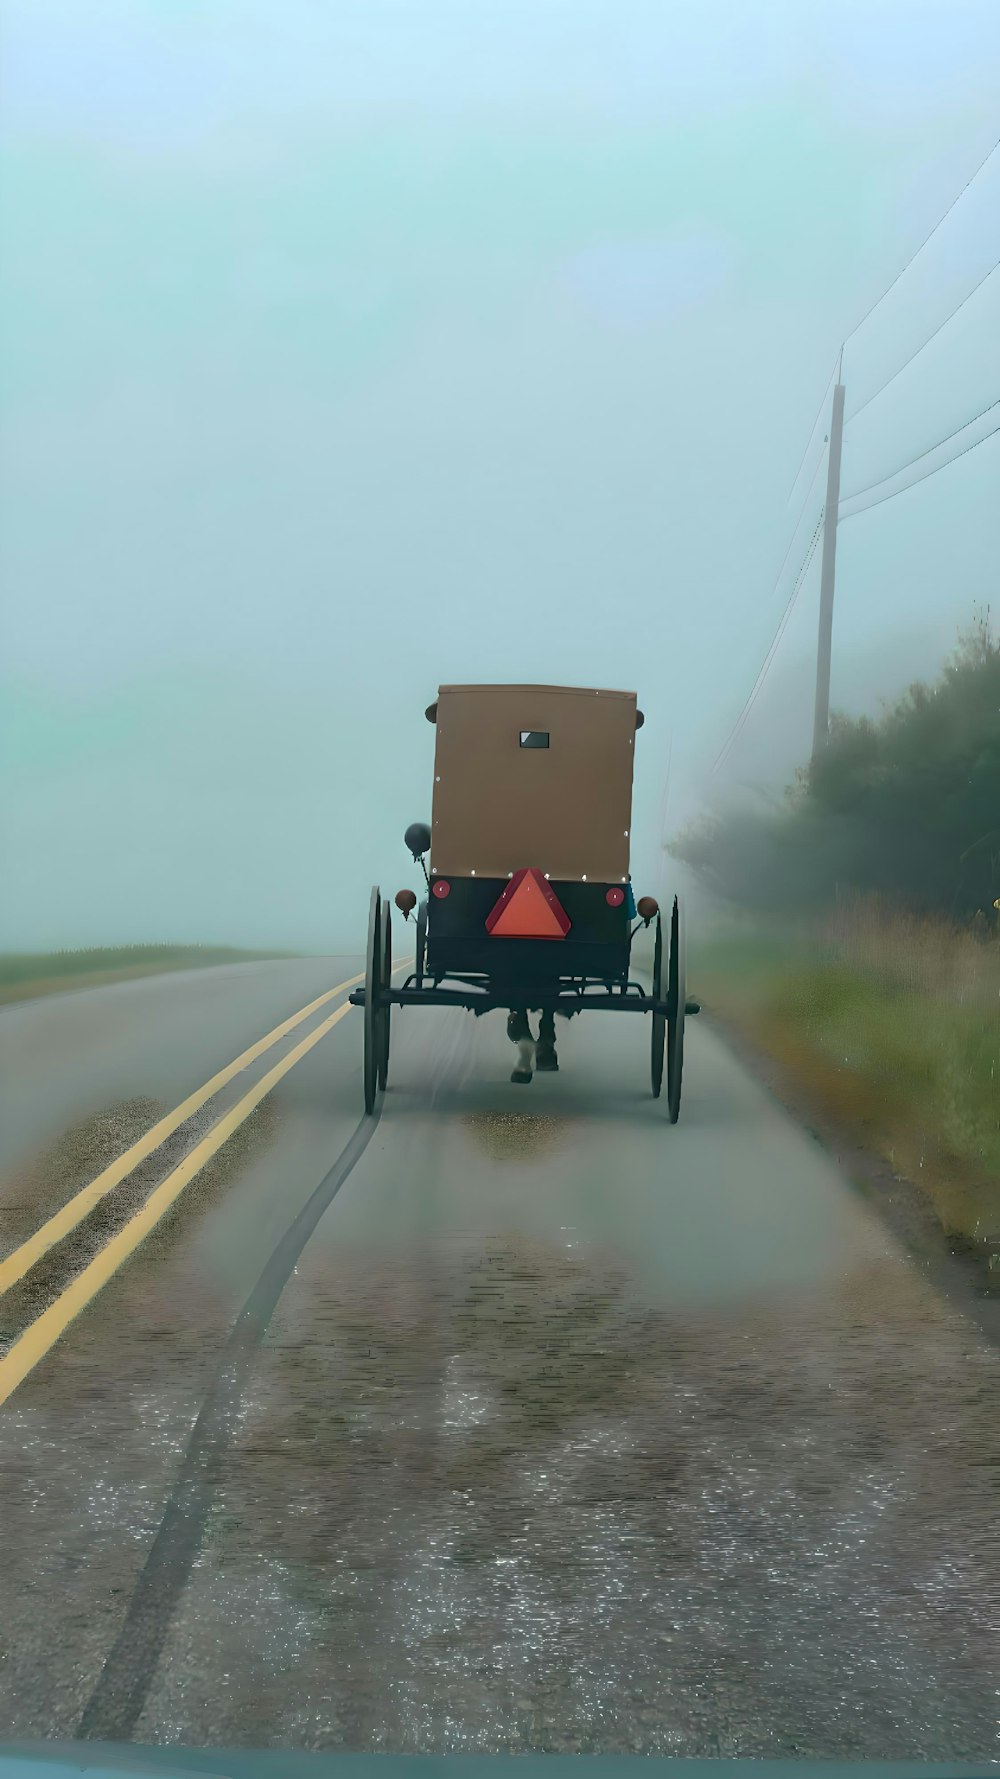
{"x":117,"y":1700}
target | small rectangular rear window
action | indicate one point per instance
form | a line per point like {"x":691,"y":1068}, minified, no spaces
{"x":534,"y":738}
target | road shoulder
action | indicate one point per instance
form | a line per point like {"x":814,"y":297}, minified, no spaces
{"x":957,"y":1269}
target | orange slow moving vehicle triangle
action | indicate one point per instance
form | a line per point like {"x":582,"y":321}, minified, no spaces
{"x":528,"y":909}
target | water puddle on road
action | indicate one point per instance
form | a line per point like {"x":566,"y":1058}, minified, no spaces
{"x":517,"y":1136}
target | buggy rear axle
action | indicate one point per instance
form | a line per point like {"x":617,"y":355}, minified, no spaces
{"x":479,"y":1001}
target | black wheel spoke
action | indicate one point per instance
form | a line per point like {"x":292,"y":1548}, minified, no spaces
{"x":677,"y":999}
{"x":384,"y":1012}
{"x":373,"y":978}
{"x":659,"y":1019}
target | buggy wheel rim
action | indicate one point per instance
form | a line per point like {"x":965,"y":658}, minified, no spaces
{"x":373,"y":972}
{"x":384,"y":1012}
{"x":677,"y":997}
{"x":659,"y":1019}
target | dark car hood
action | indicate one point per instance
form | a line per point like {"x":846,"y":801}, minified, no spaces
{"x":68,"y":1760}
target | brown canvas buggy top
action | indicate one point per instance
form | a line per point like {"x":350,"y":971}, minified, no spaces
{"x":533,"y":775}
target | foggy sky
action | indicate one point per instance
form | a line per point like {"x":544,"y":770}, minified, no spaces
{"x":352,"y":349}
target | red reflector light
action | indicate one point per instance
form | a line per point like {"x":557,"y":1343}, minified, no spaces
{"x":441,"y":888}
{"x":615,"y":896}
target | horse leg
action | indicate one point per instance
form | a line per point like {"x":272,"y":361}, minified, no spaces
{"x":519,"y":1033}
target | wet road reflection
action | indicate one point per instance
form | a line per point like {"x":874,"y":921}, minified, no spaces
{"x":569,"y":1433}
{"x":500,"y":1494}
{"x":497,"y":1500}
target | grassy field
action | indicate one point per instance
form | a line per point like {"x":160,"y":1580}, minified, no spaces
{"x":892,"y":1025}
{"x":24,"y":975}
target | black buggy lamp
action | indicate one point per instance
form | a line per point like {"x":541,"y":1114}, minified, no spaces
{"x":418,"y":839}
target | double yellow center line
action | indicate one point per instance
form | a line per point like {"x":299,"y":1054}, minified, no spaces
{"x":41,"y":1335}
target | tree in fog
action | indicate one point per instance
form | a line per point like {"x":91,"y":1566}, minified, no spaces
{"x":905,"y":805}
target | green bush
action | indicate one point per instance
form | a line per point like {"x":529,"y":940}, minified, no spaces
{"x":905,"y":806}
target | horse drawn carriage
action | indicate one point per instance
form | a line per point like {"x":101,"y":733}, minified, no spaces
{"x":528,"y":900}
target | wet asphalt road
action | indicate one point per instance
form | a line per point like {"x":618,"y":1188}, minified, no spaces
{"x":68,"y":1056}
{"x":570,"y":1431}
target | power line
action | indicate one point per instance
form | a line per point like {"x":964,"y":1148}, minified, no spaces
{"x":916,"y":353}
{"x":919,"y":250}
{"x":810,"y":551}
{"x":777,"y":583}
{"x":795,"y":530}
{"x":812,"y":430}
{"x":769,"y":657}
{"x":738,"y":726}
{"x":927,"y":472}
{"x":921,"y":454}
{"x":741,"y":720}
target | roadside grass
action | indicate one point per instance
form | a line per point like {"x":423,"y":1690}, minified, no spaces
{"x":25,"y":975}
{"x":892,"y":1024}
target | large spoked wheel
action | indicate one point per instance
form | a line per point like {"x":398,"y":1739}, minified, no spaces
{"x":421,"y":956}
{"x":677,"y":999}
{"x":373,"y":1013}
{"x":385,"y":1012}
{"x":659,"y":1019}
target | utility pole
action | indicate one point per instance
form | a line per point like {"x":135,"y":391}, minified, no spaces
{"x":821,"y":721}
